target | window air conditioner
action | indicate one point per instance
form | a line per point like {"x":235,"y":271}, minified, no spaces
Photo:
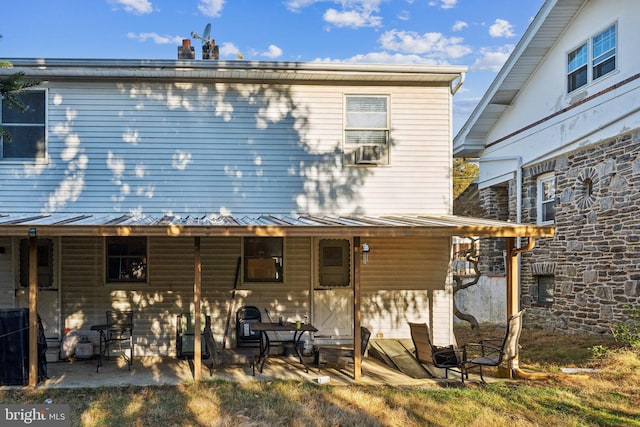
{"x":369,"y":154}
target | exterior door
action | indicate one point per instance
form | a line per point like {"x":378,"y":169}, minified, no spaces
{"x":48,"y":296}
{"x":333,"y":292}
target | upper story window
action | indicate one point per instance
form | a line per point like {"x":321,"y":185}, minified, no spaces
{"x":366,"y":133}
{"x":263,"y":259}
{"x":25,"y":137}
{"x":126,"y":259}
{"x":602,"y":57}
{"x":604,"y":52}
{"x":546,"y":199}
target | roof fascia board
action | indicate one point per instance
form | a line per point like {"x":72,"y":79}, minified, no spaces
{"x":504,"y":72}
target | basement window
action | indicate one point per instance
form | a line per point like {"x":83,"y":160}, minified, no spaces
{"x":545,"y":290}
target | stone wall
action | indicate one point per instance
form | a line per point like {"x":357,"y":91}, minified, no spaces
{"x":594,"y":259}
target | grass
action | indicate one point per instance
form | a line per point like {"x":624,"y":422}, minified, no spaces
{"x":608,"y":397}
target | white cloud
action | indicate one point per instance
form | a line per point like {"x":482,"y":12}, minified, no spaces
{"x":138,"y":7}
{"x":211,"y":8}
{"x":459,"y":26}
{"x":273,"y":52}
{"x":229,"y":49}
{"x":384,"y":58}
{"x":156,"y":38}
{"x":404,"y":15}
{"x":492,"y":60}
{"x":352,"y":18}
{"x":296,"y":5}
{"x":501,"y":28}
{"x":444,"y":4}
{"x":434,"y":45}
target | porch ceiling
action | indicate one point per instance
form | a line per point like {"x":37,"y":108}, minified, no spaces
{"x":276,"y":225}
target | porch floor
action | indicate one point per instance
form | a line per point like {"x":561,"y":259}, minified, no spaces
{"x":149,"y":371}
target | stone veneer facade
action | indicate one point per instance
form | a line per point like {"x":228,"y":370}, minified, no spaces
{"x":594,"y":259}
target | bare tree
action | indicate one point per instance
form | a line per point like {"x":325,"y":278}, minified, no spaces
{"x":471,"y":258}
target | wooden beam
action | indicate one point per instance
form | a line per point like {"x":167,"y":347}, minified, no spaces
{"x":33,"y":311}
{"x":197,"y":291}
{"x":357,"y":345}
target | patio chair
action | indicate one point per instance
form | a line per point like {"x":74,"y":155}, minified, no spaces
{"x":493,"y":352}
{"x":449,"y":358}
{"x":119,"y":333}
{"x":245,"y":337}
{"x":321,"y":350}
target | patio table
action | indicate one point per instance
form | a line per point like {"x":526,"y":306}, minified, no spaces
{"x":114,"y":334}
{"x":265,"y":342}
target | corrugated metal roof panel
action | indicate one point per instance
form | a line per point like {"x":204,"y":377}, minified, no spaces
{"x":272,"y":224}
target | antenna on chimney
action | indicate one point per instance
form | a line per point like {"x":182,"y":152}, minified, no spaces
{"x":209,"y":48}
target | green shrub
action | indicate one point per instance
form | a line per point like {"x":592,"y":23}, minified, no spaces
{"x":628,"y":333}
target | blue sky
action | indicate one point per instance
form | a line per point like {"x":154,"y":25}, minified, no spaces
{"x":479,"y":34}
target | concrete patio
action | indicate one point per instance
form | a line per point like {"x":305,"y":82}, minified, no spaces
{"x":149,"y":371}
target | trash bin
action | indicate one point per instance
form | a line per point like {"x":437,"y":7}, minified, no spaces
{"x":14,"y":347}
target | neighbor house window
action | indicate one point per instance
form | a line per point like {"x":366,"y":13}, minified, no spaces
{"x":366,"y":134}
{"x":545,"y":290}
{"x":577,"y":68}
{"x":604,"y":52}
{"x":263,"y":259}
{"x":602,"y":59}
{"x":334,"y":263}
{"x":546,"y":199}
{"x":24,"y":135}
{"x":45,"y":263}
{"x":126,"y":259}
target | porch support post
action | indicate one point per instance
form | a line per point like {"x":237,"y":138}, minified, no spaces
{"x":33,"y":310}
{"x":197,"y":289}
{"x":512,"y":277}
{"x":513,"y":285}
{"x":357,"y":346}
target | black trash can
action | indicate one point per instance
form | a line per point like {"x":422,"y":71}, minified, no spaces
{"x":14,"y":347}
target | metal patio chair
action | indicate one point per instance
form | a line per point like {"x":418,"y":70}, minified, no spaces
{"x":493,"y":352}
{"x":449,"y":358}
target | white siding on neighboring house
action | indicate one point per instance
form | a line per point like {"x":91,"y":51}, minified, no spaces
{"x":196,"y":148}
{"x":546,"y":94}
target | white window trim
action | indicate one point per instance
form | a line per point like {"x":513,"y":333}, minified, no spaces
{"x":539,"y":191}
{"x":35,"y":161}
{"x":589,"y":42}
{"x":349,"y":149}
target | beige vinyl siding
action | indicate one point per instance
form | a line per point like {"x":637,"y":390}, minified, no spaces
{"x":200,"y":148}
{"x":169,"y":292}
{"x":405,"y":264}
{"x":400,"y":278}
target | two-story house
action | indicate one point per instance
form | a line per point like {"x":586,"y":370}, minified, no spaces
{"x":146,"y":181}
{"x":556,"y":135}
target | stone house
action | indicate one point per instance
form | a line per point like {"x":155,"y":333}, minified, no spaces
{"x":558,"y":142}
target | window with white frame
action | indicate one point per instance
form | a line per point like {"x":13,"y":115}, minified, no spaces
{"x":24,"y":134}
{"x":366,"y":133}
{"x":263,"y":259}
{"x":126,"y":259}
{"x":601,"y":56}
{"x":546,"y":193}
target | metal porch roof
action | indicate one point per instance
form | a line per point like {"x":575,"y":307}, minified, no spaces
{"x":401,"y":225}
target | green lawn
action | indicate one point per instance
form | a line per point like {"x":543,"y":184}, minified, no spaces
{"x":607,"y":398}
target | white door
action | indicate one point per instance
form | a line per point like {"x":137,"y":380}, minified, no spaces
{"x":48,"y":296}
{"x":333,"y":292}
